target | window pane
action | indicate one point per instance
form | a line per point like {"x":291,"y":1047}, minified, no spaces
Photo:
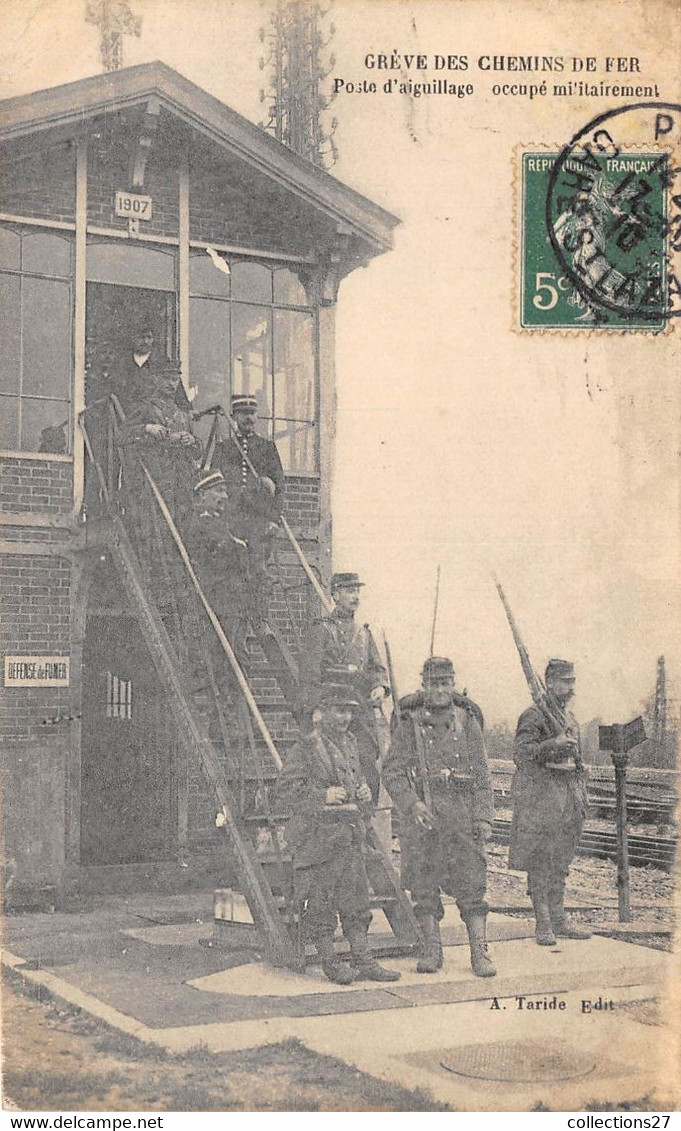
{"x":288,"y":288}
{"x":294,"y":387}
{"x":207,"y":279}
{"x":9,"y":249}
{"x":131,"y":266}
{"x":37,"y":417}
{"x":251,"y":282}
{"x":47,"y":337}
{"x":251,"y":353}
{"x":10,"y":331}
{"x":9,"y":423}
{"x":208,"y":357}
{"x":297,"y":445}
{"x":294,"y":365}
{"x":46,"y":253}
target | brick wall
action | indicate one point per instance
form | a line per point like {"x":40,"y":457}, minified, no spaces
{"x":35,"y":603}
{"x":109,"y":171}
{"x":38,"y":486}
{"x":41,"y":184}
{"x":35,"y":590}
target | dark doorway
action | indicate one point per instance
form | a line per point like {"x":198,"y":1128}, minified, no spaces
{"x":113,"y":316}
{"x":128,"y":797}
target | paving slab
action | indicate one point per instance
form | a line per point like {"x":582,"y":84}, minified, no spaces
{"x":131,"y":967}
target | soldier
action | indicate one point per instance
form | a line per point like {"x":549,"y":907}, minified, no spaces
{"x":221,"y":562}
{"x":549,"y":803}
{"x":334,"y":643}
{"x":257,"y":498}
{"x":436,"y":773}
{"x":322,"y":785}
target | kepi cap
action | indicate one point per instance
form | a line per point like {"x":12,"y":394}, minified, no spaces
{"x":338,"y":695}
{"x":560,"y":669}
{"x":346,"y":581}
{"x":244,"y":401}
{"x":437,"y":666}
{"x":212,"y":479}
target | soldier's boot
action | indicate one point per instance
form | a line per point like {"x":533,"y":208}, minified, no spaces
{"x":366,"y":967}
{"x":481,"y":963}
{"x":562,"y":924}
{"x":543,"y":931}
{"x":342,"y":973}
{"x":431,"y":957}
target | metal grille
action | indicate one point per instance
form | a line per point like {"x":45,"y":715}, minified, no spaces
{"x":118,"y":697}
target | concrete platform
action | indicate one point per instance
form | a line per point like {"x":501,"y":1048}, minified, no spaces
{"x":475,"y":1043}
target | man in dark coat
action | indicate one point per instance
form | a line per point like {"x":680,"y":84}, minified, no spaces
{"x":337,"y":643}
{"x":130,"y":372}
{"x":549,"y":803}
{"x":255,"y":482}
{"x":323,"y":787}
{"x":437,"y":775}
{"x":157,"y":433}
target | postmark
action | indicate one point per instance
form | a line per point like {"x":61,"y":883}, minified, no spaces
{"x":613,"y":216}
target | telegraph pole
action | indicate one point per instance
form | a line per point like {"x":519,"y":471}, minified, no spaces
{"x":296,"y":44}
{"x":114,"y":18}
{"x":660,"y":715}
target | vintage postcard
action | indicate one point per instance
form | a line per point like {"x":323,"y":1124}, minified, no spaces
{"x":339,"y":417}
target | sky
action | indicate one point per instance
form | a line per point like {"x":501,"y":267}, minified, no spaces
{"x":549,"y":459}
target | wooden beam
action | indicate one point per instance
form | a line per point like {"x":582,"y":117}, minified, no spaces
{"x":79,"y":287}
{"x":148,"y":127}
{"x":183,"y":268}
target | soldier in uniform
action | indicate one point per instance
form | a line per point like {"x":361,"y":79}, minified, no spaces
{"x":437,"y":775}
{"x":334,"y":643}
{"x":323,"y":787}
{"x":257,"y":499}
{"x":549,"y":803}
{"x":221,"y":562}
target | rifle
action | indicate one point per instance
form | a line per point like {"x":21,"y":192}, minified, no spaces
{"x":437,"y":598}
{"x":553,"y":715}
{"x":391,"y":674}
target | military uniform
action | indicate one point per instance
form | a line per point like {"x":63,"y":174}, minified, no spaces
{"x":437,"y":756}
{"x":254,"y":507}
{"x":549,"y":806}
{"x":328,"y":843}
{"x":333,"y":644}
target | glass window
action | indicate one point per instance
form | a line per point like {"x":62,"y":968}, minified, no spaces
{"x":9,"y":423}
{"x":205,"y":278}
{"x":35,"y":341}
{"x":44,"y":425}
{"x":251,"y":282}
{"x":131,"y":266}
{"x":252,"y":354}
{"x":294,"y":390}
{"x":209,"y":357}
{"x":46,"y":337}
{"x":288,"y":288}
{"x":46,"y":254}
{"x":10,"y":333}
{"x":10,"y":249}
{"x":256,"y":347}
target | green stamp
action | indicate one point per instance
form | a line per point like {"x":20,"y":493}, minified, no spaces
{"x":616,"y":205}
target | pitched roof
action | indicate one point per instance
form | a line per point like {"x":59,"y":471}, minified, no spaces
{"x":75,"y":103}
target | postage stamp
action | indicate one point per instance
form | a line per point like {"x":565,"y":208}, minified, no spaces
{"x":569,"y":211}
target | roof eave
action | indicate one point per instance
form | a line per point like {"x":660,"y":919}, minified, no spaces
{"x":75,"y":104}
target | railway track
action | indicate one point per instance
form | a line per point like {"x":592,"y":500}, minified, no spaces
{"x":643,"y":850}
